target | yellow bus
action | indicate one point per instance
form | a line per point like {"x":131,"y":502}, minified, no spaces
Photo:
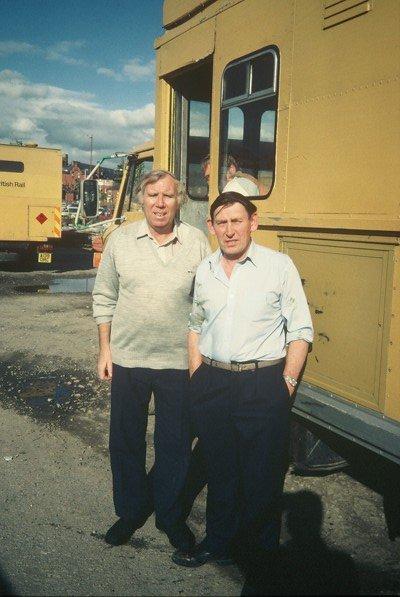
{"x":30,"y":197}
{"x":304,"y":95}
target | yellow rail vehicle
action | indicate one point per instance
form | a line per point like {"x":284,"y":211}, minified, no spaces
{"x":304,"y":94}
{"x":30,"y":196}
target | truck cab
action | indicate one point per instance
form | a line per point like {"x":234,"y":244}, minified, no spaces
{"x":127,"y":209}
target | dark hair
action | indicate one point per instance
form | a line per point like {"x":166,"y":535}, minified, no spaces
{"x":229,"y":199}
{"x":230,"y":161}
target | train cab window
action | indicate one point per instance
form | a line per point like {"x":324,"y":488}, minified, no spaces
{"x":235,"y":124}
{"x":236,"y":81}
{"x":9,"y":166}
{"x":248,"y":124}
{"x":198,"y":146}
{"x":137,"y":169}
{"x":263,"y":73}
{"x":191,"y":127}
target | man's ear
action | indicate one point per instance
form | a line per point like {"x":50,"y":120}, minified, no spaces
{"x":231,"y":171}
{"x":254,"y":222}
{"x":210,"y":226}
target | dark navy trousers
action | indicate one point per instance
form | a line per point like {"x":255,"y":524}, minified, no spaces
{"x":243,"y":424}
{"x":133,"y":490}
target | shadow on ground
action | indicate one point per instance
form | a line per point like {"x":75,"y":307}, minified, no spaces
{"x":5,"y":585}
{"x":306,"y":565}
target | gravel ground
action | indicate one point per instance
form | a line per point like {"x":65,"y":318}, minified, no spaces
{"x":55,"y":485}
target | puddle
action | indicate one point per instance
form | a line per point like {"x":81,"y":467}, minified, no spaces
{"x":59,"y":394}
{"x":32,"y":288}
{"x":51,"y":396}
{"x":72,"y":285}
{"x":45,"y":396}
{"x":60,"y":285}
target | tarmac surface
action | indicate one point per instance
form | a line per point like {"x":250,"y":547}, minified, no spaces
{"x":55,"y":482}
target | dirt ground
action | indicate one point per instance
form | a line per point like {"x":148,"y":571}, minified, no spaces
{"x":55,"y":485}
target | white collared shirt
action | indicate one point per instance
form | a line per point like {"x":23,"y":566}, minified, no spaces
{"x":253,"y":314}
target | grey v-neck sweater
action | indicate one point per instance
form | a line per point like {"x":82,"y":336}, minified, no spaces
{"x":147,"y":301}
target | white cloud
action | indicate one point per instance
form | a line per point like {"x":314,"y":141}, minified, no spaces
{"x":135,"y":69}
{"x":24,"y":125}
{"x":57,"y":117}
{"x":15,"y":47}
{"x":109,"y":72}
{"x":60,"y":52}
{"x":63,"y":51}
{"x":200,"y":120}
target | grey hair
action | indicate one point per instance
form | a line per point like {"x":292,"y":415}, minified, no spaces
{"x":155,"y":176}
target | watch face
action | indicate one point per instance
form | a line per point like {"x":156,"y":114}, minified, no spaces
{"x":291,"y":380}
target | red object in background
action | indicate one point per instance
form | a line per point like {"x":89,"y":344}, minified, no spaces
{"x":96,"y":259}
{"x":41,"y":218}
{"x":97,"y":244}
{"x":106,"y":214}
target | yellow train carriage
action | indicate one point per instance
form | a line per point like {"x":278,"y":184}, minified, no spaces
{"x":304,"y":94}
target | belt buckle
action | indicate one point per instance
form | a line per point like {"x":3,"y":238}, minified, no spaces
{"x":249,"y":366}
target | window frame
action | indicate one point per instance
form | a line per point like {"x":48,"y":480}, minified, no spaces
{"x":181,"y":137}
{"x":16,"y":168}
{"x":130,"y":197}
{"x":249,"y":97}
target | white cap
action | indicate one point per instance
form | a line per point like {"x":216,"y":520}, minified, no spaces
{"x":241,"y":185}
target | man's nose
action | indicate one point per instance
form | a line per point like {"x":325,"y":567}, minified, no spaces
{"x":160,"y":201}
{"x":229,"y":231}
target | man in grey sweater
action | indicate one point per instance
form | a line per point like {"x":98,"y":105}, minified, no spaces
{"x":142,"y":301}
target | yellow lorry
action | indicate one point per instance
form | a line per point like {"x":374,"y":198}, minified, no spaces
{"x":30,"y":198}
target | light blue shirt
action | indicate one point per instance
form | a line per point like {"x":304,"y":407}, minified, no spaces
{"x":253,"y":314}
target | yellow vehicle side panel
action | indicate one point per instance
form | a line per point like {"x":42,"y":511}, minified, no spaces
{"x":174,"y":10}
{"x":344,"y":57}
{"x":335,"y":271}
{"x":43,"y":221}
{"x":176,"y":56}
{"x":24,"y":195}
{"x":348,"y":134}
{"x":344,"y":121}
{"x":392,"y":401}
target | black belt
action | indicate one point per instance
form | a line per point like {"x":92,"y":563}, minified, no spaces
{"x":245,"y":366}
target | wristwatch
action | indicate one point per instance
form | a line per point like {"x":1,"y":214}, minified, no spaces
{"x":290,"y":380}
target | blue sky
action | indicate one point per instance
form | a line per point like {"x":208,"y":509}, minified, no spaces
{"x":70,"y":69}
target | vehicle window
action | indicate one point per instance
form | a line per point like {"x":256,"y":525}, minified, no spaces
{"x":191,"y":127}
{"x":236,"y":124}
{"x":263,"y":73}
{"x":235,"y":81}
{"x":10,"y":166}
{"x":140,"y":168}
{"x":248,"y":123}
{"x":198,"y":146}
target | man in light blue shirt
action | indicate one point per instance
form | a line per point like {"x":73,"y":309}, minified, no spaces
{"x":250,"y":330}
